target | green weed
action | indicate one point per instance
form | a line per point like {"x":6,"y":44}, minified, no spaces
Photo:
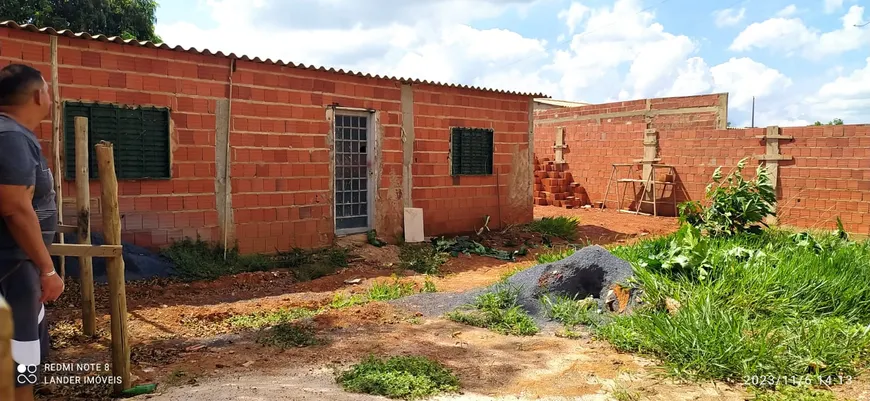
{"x":264,"y":319}
{"x":775,"y":304}
{"x":793,"y":393}
{"x":383,"y":291}
{"x":342,"y":300}
{"x":428,"y":286}
{"x":288,"y":335}
{"x":570,"y":312}
{"x":499,"y":311}
{"x":422,"y":258}
{"x":402,"y":377}
{"x":559,"y":227}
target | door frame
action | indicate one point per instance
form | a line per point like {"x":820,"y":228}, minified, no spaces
{"x":371,"y":186}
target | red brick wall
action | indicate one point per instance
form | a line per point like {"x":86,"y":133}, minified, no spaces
{"x":598,"y":136}
{"x":460,"y":204}
{"x":280,"y":156}
{"x":154,"y":212}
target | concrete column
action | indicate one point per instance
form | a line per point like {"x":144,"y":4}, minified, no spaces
{"x":407,"y":144}
{"x":222,"y":185}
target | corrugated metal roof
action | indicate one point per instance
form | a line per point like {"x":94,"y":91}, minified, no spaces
{"x":116,"y":39}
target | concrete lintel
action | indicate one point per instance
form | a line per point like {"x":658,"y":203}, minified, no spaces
{"x":649,"y":113}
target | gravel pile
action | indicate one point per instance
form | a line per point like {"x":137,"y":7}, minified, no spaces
{"x":589,"y":271}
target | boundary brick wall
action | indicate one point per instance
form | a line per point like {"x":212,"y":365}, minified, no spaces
{"x":280,"y":180}
{"x":828,"y":177}
{"x":604,"y":134}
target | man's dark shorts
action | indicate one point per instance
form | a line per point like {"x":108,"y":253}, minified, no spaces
{"x":20,"y":286}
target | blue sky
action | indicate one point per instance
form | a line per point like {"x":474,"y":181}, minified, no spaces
{"x":802,"y":60}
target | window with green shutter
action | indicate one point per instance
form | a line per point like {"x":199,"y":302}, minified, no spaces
{"x":140,"y":136}
{"x":471,"y":151}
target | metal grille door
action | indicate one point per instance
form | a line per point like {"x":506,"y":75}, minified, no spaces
{"x":351,"y":173}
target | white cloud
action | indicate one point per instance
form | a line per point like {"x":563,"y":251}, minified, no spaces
{"x":788,"y":11}
{"x":438,"y":47}
{"x":603,"y":53}
{"x":729,"y":16}
{"x":831,"y":6}
{"x":792,"y":37}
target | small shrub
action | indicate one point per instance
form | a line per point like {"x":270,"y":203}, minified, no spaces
{"x":421,"y":258}
{"x":342,"y":300}
{"x":499,"y":311}
{"x":428,"y":286}
{"x":288,"y":335}
{"x":403,"y":377}
{"x":202,"y":260}
{"x":373,"y":240}
{"x":264,"y":319}
{"x":735,"y":204}
{"x":381,"y":291}
{"x":570,"y":312}
{"x":559,"y":227}
{"x":555,"y":255}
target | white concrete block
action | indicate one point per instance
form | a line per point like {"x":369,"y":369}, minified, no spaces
{"x":414,"y":225}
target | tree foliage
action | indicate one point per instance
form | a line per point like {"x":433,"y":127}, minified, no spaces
{"x":129,"y":19}
{"x":836,"y":121}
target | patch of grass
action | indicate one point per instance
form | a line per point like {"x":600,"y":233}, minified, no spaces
{"x":288,"y":335}
{"x":559,"y":227}
{"x":402,"y":377}
{"x":203,"y":260}
{"x":428,"y":286}
{"x":421,"y":258}
{"x":770,"y":304}
{"x":499,"y":311}
{"x":342,"y":300}
{"x":555,"y":255}
{"x":264,"y":319}
{"x":384,"y":291}
{"x":624,"y":394}
{"x":569,"y":311}
{"x":794,"y":393}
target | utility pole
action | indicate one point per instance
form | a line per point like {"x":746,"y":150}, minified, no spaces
{"x":753,"y":112}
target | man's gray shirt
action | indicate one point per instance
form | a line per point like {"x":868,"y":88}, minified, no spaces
{"x":22,"y":163}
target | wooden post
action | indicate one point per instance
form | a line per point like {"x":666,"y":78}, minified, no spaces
{"x":56,"y":148}
{"x":7,"y":375}
{"x":83,"y":213}
{"x":114,"y":266}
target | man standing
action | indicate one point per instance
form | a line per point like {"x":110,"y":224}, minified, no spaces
{"x":29,"y":220}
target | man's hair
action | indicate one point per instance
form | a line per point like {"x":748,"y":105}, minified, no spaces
{"x":16,"y":83}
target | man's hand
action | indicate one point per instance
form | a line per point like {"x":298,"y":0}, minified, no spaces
{"x":52,"y":287}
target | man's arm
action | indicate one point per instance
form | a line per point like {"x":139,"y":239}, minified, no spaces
{"x":16,"y":207}
{"x":17,"y":179}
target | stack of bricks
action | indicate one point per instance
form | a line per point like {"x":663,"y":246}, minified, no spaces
{"x":556,"y":187}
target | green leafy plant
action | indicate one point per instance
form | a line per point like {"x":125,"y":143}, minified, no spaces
{"x":264,"y":319}
{"x":342,"y":300}
{"x":288,"y":335}
{"x":686,"y":255}
{"x":498,"y":310}
{"x":373,"y":240}
{"x":402,"y":377}
{"x":383,"y":291}
{"x":735,"y":204}
{"x":428,"y":286}
{"x":422,"y":258}
{"x":570,"y":311}
{"x":559,"y":227}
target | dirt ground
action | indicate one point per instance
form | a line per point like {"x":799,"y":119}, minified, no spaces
{"x":178,"y":339}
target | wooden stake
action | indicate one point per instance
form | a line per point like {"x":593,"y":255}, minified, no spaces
{"x":114,"y":266}
{"x":7,"y":375}
{"x":56,"y":148}
{"x":83,"y":209}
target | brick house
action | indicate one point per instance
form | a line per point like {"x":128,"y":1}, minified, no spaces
{"x":276,"y":155}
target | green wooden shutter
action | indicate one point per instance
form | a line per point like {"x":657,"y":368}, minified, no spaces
{"x":471,"y":151}
{"x":140,"y":136}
